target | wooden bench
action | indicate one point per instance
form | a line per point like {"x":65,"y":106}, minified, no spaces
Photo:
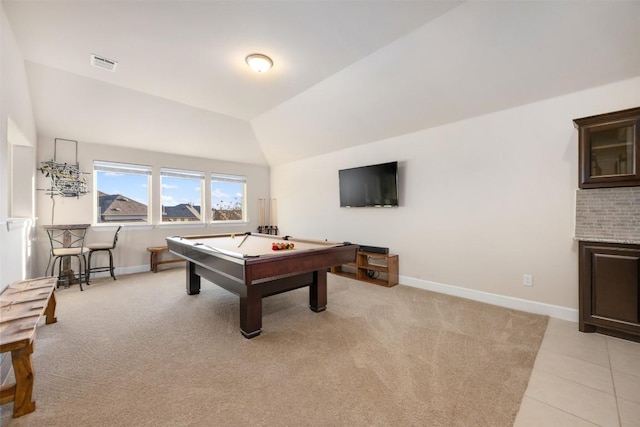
{"x":155,"y":251}
{"x":23,"y":303}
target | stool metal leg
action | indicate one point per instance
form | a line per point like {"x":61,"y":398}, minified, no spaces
{"x":80,"y":274}
{"x":111,"y":265}
{"x":88,"y":268}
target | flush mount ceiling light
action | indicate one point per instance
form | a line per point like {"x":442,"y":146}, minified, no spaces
{"x":259,"y":63}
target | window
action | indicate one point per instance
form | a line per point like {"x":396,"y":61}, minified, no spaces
{"x":228,"y":197}
{"x":181,"y":195}
{"x":122,"y":192}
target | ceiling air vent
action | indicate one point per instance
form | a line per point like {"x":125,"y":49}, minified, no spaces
{"x":101,"y":62}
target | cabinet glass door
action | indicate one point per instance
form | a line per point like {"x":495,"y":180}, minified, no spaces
{"x":609,"y":149}
{"x":612,"y":151}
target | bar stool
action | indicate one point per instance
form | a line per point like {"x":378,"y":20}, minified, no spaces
{"x":96,"y":247}
{"x":68,"y":243}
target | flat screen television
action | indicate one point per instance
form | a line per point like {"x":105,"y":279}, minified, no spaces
{"x":369,"y":186}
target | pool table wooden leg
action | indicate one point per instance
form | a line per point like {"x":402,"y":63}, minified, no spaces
{"x":193,"y":280}
{"x":318,"y":291}
{"x":251,"y":312}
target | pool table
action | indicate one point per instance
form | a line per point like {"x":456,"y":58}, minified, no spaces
{"x":248,"y":266}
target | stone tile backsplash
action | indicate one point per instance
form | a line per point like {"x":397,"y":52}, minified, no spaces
{"x":608,"y":214}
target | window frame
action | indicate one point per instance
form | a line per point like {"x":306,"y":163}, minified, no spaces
{"x":183,"y":174}
{"x":233,"y":178}
{"x":121,"y":168}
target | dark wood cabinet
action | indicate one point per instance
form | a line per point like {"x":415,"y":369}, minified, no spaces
{"x":610,"y":149}
{"x":610,"y":289}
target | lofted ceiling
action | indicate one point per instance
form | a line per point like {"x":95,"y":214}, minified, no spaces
{"x":345,"y":72}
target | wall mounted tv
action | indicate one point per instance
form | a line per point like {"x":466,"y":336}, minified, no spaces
{"x":369,"y":186}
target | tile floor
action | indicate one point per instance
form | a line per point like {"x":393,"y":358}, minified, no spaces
{"x":582,"y":380}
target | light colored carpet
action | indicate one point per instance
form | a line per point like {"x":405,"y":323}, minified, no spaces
{"x":139,"y":351}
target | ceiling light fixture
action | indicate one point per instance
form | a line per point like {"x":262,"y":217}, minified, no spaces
{"x":259,"y":63}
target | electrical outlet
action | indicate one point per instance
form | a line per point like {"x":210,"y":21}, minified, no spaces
{"x":527,"y":280}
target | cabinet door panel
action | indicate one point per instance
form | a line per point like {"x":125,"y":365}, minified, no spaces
{"x":615,"y":287}
{"x":609,"y":149}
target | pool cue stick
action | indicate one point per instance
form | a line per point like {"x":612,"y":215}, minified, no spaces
{"x":245,"y":238}
{"x":274,"y":221}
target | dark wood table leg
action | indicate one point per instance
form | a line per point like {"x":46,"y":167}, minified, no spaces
{"x":67,"y":269}
{"x":193,"y":280}
{"x":318,"y":291}
{"x":251,"y":311}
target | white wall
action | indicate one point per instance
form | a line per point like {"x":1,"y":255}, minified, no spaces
{"x":483,"y":201}
{"x":131,"y":254}
{"x":17,"y":142}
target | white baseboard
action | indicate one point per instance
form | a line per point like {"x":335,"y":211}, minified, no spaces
{"x":556,"y":311}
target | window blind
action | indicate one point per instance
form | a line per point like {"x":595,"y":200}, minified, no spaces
{"x":178,"y":173}
{"x":228,"y":178}
{"x":102,"y":166}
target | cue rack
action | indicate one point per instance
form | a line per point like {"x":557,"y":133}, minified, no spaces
{"x":267,"y":216}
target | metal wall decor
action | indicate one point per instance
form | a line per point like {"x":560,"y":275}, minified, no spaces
{"x":66,"y":179}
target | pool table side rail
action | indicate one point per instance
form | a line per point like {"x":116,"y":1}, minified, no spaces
{"x":202,"y":240}
{"x":261,"y":235}
{"x":300,"y":262}
{"x":261,"y":269}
